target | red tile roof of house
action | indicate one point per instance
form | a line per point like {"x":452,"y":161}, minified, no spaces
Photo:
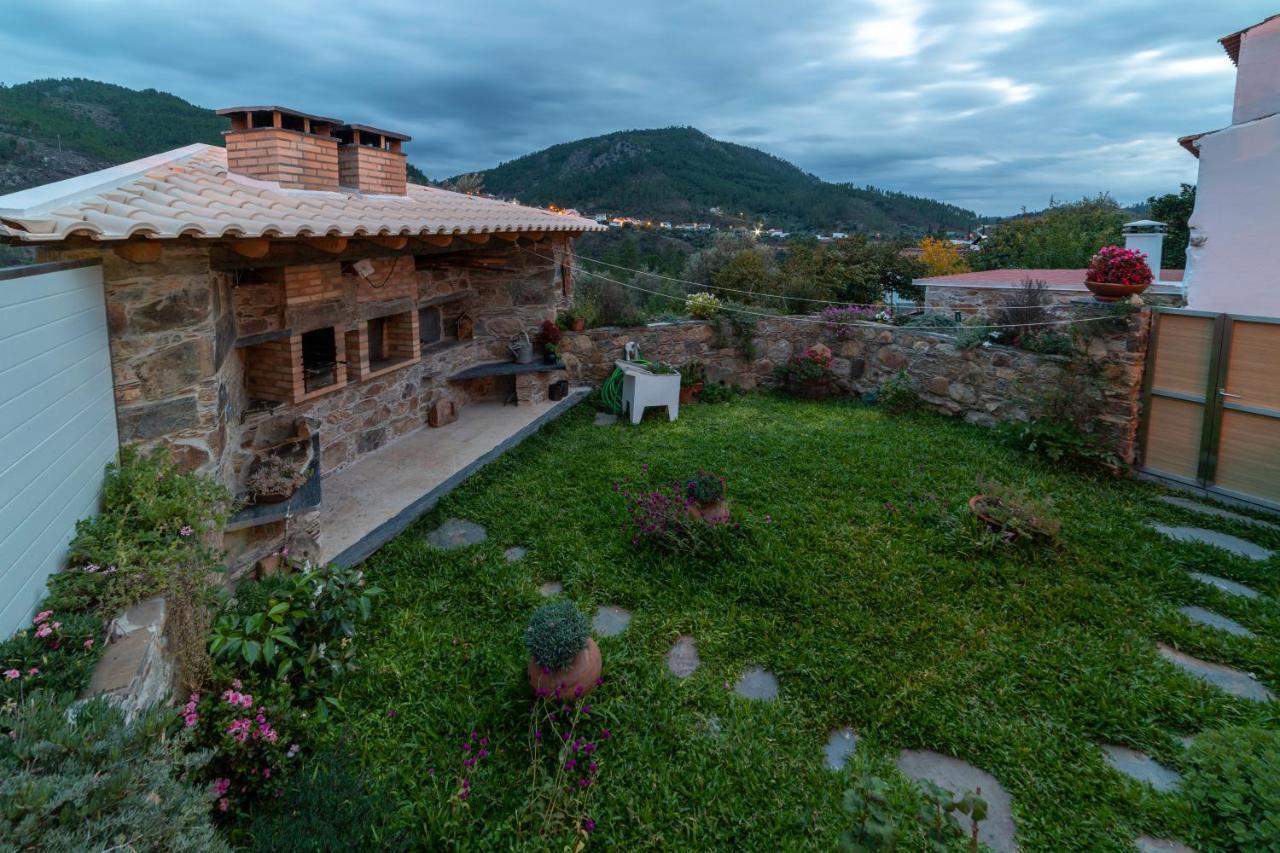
{"x":1001,"y":278}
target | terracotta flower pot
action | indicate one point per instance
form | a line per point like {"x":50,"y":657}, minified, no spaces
{"x":697,"y":388}
{"x":1107,"y":291}
{"x":271,"y":497}
{"x":574,"y":681}
{"x":713,"y":513}
{"x":578,"y":324}
{"x":686,"y":394}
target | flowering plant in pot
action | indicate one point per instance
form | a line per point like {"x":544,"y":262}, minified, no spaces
{"x":564,"y":661}
{"x":549,"y":337}
{"x":693,"y":375}
{"x":1116,"y":273}
{"x":276,"y":478}
{"x":807,"y":375}
{"x":1014,"y":515}
{"x":574,"y":320}
{"x":706,"y":494}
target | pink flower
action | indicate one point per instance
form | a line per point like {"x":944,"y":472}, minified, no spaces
{"x":223,"y":805}
{"x":11,"y":674}
{"x":190,"y":719}
{"x":41,"y":616}
{"x":221,"y":786}
{"x":186,"y":530}
{"x":44,"y":631}
{"x":88,"y":644}
{"x":33,"y":671}
{"x":92,"y":567}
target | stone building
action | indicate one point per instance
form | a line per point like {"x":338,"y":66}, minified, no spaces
{"x":292,"y":293}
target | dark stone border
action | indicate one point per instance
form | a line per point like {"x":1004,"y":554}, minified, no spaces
{"x":7,"y":273}
{"x":397,"y":524}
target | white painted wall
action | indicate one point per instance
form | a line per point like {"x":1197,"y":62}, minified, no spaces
{"x":1233,"y":262}
{"x":1257,"y":92}
{"x":57,"y":424}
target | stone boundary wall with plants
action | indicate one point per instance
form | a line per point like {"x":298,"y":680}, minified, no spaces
{"x":983,"y":384}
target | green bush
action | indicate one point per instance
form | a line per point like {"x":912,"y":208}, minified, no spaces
{"x":60,"y":661}
{"x":1048,"y":343}
{"x":705,"y":487}
{"x":717,"y":392}
{"x":932,"y":320}
{"x":556,"y":633}
{"x":1060,"y":443}
{"x":153,"y":518}
{"x":88,"y":781}
{"x":899,"y":394}
{"x":1234,"y":782}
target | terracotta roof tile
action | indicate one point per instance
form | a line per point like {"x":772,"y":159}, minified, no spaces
{"x":189,"y":192}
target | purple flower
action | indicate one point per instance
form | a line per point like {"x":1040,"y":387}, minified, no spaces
{"x":391,"y":713}
{"x":605,"y":734}
{"x":588,"y":825}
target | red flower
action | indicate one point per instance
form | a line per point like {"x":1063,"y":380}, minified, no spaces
{"x":1115,"y":265}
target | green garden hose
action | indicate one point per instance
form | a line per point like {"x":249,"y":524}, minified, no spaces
{"x":611,"y":390}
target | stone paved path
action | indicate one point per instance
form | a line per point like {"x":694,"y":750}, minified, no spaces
{"x":683,"y":659}
{"x":757,"y":683}
{"x":1141,"y":767}
{"x":515,"y":553}
{"x":551,"y":589}
{"x":1239,"y":684}
{"x":840,"y":745}
{"x":1201,"y":616}
{"x":1147,"y":844}
{"x":1234,"y":544}
{"x":605,"y":419}
{"x":611,"y":621}
{"x":457,"y":533}
{"x":1228,"y":586}
{"x":1205,"y":509}
{"x":997,"y":831}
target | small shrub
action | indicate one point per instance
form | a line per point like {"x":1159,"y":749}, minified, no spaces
{"x":705,"y":488}
{"x":691,"y":373}
{"x":1233,"y":783}
{"x":1047,"y":343}
{"x":1016,"y":515}
{"x":89,"y":781}
{"x":661,"y":368}
{"x":932,"y":320}
{"x":718,"y":392}
{"x":976,"y":335}
{"x":665,"y":519}
{"x":733,"y":326}
{"x":556,"y":634}
{"x":807,"y":375}
{"x":1024,"y":310}
{"x":1061,"y":443}
{"x":841,"y":323}
{"x":702,"y":305}
{"x":876,"y":827}
{"x":899,"y":394}
{"x":276,"y":475}
{"x":565,"y":747}
{"x":56,"y":654}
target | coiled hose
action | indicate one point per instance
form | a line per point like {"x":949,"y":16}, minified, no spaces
{"x":611,"y":390}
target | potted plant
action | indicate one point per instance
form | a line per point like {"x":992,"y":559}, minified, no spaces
{"x":549,"y":337}
{"x":705,"y":494}
{"x":1013,"y":514}
{"x":564,"y":662}
{"x":575,"y":320}
{"x":1116,"y":273}
{"x":275,"y":479}
{"x":692,"y":379}
{"x":808,"y":375}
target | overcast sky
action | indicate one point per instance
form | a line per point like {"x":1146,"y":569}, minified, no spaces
{"x":990,"y":104}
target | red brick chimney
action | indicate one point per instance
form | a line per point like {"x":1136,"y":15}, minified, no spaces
{"x":370,"y":160}
{"x":294,"y":148}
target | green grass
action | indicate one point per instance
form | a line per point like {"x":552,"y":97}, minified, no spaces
{"x":869,"y":612}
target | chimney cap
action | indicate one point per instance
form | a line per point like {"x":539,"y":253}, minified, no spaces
{"x":364,"y":128}
{"x":226,"y":111}
{"x":1143,"y":225}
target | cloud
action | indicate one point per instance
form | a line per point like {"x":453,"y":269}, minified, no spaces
{"x":994,"y":104}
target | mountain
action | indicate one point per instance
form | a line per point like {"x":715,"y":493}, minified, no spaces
{"x":680,"y":173}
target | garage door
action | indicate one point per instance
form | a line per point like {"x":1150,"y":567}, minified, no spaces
{"x":57,"y":422}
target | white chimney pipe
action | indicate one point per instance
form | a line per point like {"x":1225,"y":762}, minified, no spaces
{"x":1146,"y":236}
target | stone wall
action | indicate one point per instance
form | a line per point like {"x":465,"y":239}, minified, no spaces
{"x":977,"y":299}
{"x":984,"y":385}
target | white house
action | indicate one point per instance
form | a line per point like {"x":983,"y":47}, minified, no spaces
{"x":1233,"y":261}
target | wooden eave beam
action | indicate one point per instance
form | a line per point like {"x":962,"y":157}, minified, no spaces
{"x":139,"y":251}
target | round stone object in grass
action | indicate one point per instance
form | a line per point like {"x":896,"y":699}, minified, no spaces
{"x":551,"y":589}
{"x":457,"y":533}
{"x":840,"y":746}
{"x":1208,"y":618}
{"x":683,"y":660}
{"x":1242,"y":685}
{"x":1141,"y":767}
{"x":997,"y":831}
{"x":515,"y":553}
{"x":1227,"y":586}
{"x":1233,"y":544}
{"x":757,"y":683}
{"x":1147,"y":844}
{"x":611,"y":621}
{"x":605,"y":419}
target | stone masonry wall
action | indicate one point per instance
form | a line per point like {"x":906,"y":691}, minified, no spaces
{"x":984,"y":385}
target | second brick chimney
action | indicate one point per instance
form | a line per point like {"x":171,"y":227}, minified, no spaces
{"x":370,"y":160}
{"x":294,"y":148}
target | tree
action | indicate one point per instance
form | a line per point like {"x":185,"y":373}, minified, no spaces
{"x":1174,"y":209}
{"x":941,"y":257}
{"x":1065,"y":236}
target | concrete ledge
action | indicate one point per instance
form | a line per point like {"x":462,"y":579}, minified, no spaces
{"x":394,"y":526}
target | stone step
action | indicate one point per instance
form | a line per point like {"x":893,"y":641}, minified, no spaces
{"x":1141,"y":767}
{"x":610,"y":621}
{"x":1230,"y":587}
{"x":551,"y":589}
{"x":757,"y":683}
{"x":136,"y":668}
{"x":1147,"y":844}
{"x":1242,"y":685}
{"x":457,"y":533}
{"x":1216,"y":512}
{"x":998,"y":831}
{"x":1208,"y":618}
{"x":840,"y":745}
{"x":682,"y":660}
{"x":1233,"y":544}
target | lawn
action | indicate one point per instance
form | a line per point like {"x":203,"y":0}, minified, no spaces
{"x":861,"y":596}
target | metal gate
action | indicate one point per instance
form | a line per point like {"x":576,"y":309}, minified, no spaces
{"x":1211,"y":404}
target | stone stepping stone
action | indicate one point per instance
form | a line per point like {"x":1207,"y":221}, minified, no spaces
{"x":1227,"y":586}
{"x":840,"y":745}
{"x":551,"y":589}
{"x":683,"y":659}
{"x":515,"y":553}
{"x":1242,"y":685}
{"x":1234,"y":544}
{"x":997,"y":831}
{"x":457,"y":533}
{"x":1147,"y":844}
{"x":1205,"y":509}
{"x":605,"y":419}
{"x":1201,"y":616}
{"x":611,"y":621}
{"x":758,"y":684}
{"x":1141,"y":767}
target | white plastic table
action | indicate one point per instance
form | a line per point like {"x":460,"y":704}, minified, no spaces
{"x":642,"y":388}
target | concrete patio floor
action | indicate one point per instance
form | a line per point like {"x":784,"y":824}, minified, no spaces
{"x":372,"y":500}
